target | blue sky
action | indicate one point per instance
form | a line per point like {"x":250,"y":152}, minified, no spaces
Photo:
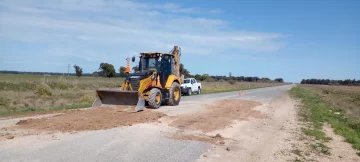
{"x":288,"y":39}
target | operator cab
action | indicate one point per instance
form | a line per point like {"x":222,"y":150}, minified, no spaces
{"x":162,"y":63}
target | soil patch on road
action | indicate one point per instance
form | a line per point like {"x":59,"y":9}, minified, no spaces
{"x":218,"y":116}
{"x":217,"y":139}
{"x":91,"y":119}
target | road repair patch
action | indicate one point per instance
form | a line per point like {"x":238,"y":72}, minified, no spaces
{"x":91,"y":119}
{"x":218,"y":115}
{"x":217,"y":139}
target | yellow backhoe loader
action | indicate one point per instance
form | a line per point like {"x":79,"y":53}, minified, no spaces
{"x":156,"y":83}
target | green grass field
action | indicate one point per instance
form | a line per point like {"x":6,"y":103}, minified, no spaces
{"x":27,"y":93}
{"x":336,"y":105}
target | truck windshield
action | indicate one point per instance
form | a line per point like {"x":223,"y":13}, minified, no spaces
{"x":187,"y":81}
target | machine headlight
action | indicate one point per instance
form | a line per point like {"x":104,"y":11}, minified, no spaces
{"x":153,"y":77}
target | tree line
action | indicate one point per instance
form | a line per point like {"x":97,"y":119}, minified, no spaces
{"x":108,"y":70}
{"x":207,"y":77}
{"x":331,"y":82}
{"x":104,"y":70}
{"x":44,"y":73}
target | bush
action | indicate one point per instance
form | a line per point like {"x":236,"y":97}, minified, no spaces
{"x":326,"y":91}
{"x":232,"y":82}
{"x":209,"y":79}
{"x":62,"y":83}
{"x":86,"y":98}
{"x":75,"y":88}
{"x":4,"y":102}
{"x":43,"y":90}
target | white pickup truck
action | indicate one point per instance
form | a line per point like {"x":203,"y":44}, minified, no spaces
{"x":190,"y":85}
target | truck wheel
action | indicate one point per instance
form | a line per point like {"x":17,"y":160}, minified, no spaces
{"x":155,"y":98}
{"x":189,"y":92}
{"x":175,"y":94}
{"x":199,"y":91}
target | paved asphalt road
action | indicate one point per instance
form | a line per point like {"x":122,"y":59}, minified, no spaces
{"x":263,"y":95}
{"x":137,"y":143}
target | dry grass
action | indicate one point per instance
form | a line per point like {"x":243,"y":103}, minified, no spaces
{"x":21,"y":93}
{"x":344,"y":98}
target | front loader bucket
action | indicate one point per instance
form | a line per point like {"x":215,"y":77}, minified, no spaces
{"x":118,"y":97}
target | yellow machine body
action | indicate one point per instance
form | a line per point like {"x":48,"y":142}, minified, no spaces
{"x":156,"y":83}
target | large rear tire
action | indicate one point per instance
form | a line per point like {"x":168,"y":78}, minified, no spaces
{"x":175,"y":94}
{"x":155,"y":98}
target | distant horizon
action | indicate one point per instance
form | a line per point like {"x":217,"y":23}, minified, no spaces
{"x":117,"y":72}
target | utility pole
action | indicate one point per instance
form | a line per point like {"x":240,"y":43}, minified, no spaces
{"x":68,"y":69}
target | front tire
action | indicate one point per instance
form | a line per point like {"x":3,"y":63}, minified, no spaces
{"x":175,"y":94}
{"x":155,"y":98}
{"x":199,"y":91}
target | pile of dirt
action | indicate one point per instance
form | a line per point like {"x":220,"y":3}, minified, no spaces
{"x":217,"y":139}
{"x":218,"y":115}
{"x":91,"y":119}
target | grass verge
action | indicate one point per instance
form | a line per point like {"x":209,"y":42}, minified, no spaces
{"x":34,"y":109}
{"x":317,"y":111}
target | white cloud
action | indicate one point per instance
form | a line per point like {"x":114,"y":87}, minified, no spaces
{"x":29,"y":10}
{"x":125,"y":26}
{"x":216,"y":11}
